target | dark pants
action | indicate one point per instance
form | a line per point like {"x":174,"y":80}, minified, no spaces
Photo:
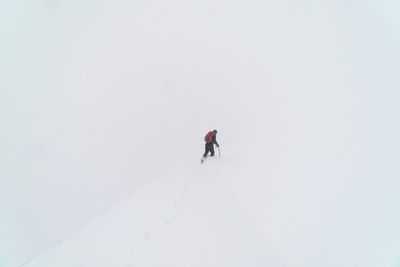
{"x":209,"y":148}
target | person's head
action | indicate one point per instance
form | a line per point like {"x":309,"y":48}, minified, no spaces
{"x":215,"y":132}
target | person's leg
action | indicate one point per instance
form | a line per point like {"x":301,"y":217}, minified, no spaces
{"x":206,"y":151}
{"x":212,"y":150}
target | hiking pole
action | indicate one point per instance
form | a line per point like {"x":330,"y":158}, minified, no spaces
{"x":219,"y":151}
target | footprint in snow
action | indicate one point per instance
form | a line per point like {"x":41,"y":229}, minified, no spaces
{"x":170,"y":220}
{"x":146,"y":236}
{"x":183,"y":194}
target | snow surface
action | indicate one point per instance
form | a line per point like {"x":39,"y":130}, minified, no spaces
{"x":108,"y":101}
{"x":215,"y":215}
{"x":189,"y":216}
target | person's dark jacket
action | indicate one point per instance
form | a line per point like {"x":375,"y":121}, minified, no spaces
{"x":214,"y":140}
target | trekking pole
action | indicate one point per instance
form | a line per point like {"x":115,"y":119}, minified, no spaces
{"x":219,"y":151}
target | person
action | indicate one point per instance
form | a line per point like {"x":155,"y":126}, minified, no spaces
{"x":210,"y":139}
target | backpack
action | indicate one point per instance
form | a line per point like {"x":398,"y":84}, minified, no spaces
{"x":208,"y":137}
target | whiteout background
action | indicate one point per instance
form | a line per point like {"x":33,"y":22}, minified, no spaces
{"x":98,"y":98}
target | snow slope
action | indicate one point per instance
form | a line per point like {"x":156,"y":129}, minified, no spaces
{"x":218,"y":214}
{"x":189,"y":216}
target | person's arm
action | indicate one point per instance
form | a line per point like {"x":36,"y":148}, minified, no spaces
{"x":215,"y":140}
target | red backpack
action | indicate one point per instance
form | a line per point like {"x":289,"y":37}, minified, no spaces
{"x":208,"y":136}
